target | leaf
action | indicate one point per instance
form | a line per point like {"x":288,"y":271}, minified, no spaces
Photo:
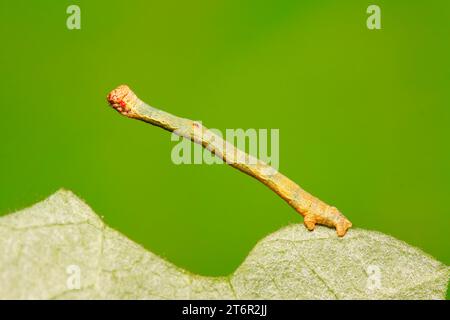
{"x":47,"y":248}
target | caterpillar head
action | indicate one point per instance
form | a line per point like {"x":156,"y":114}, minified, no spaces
{"x":122,"y":99}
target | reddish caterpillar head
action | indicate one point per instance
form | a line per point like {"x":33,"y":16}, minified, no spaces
{"x":122,"y":99}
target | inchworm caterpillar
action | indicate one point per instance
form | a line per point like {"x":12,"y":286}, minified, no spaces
{"x":311,"y":208}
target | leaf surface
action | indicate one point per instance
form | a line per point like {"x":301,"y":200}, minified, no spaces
{"x":60,"y":249}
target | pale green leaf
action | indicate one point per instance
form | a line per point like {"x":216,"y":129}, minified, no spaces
{"x":47,"y":250}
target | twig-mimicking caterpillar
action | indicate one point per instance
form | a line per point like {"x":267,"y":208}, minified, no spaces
{"x":311,"y":208}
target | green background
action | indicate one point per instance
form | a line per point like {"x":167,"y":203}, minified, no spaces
{"x":363,"y":116}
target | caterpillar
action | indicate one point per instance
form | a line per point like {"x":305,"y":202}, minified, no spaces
{"x":313,"y":210}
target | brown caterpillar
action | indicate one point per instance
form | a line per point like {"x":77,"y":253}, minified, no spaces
{"x":311,"y":208}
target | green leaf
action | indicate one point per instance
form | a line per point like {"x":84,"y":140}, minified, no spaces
{"x":60,"y":249}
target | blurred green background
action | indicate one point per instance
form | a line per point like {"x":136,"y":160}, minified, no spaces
{"x":363,"y":116}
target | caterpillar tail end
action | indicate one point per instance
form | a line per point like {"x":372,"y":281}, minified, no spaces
{"x":338,"y":221}
{"x":342,"y":227}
